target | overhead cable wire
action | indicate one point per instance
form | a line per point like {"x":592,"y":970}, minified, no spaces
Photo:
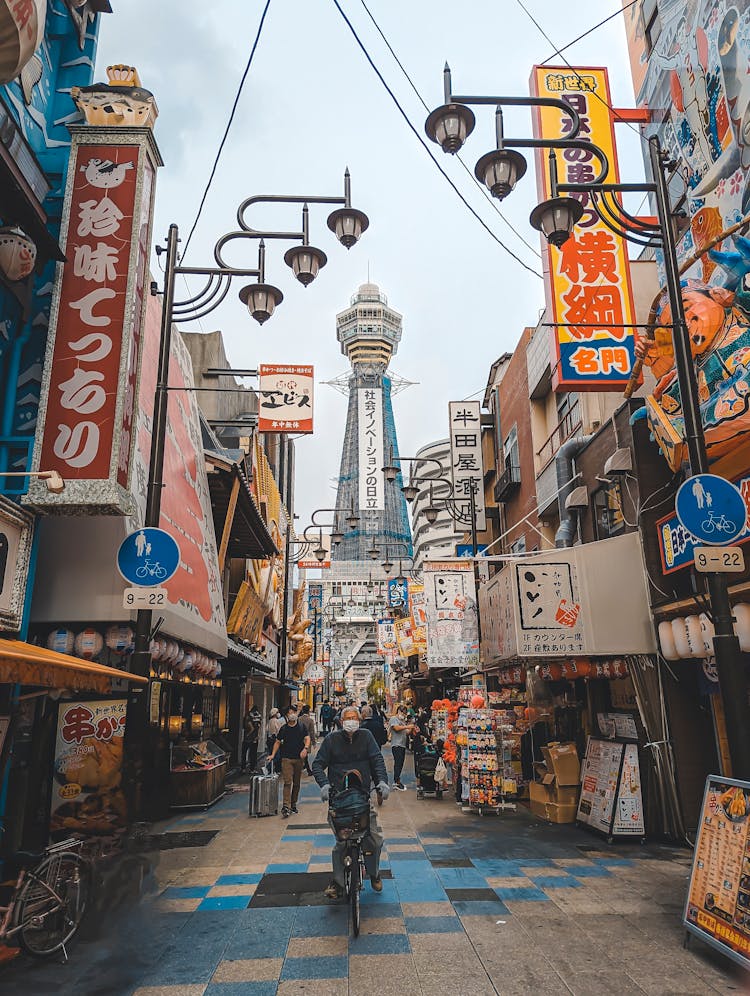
{"x":573,"y":70}
{"x":590,"y":31}
{"x":426,"y":147}
{"x":224,"y":137}
{"x":468,"y":169}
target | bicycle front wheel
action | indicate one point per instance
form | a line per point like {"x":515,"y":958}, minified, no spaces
{"x":354,"y":897}
{"x":52,"y":903}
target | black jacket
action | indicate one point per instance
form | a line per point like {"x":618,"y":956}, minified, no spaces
{"x":339,"y":754}
{"x":376,"y":727}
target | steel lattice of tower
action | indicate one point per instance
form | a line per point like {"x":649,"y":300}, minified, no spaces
{"x":369,"y":332}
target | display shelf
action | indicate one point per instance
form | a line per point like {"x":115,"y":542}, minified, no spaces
{"x":197,"y":775}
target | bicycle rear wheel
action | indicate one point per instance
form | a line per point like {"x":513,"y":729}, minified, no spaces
{"x":355,"y":886}
{"x":51,"y":904}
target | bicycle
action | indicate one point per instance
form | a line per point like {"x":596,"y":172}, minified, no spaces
{"x":719,"y":522}
{"x":351,"y":827}
{"x":48,"y":900}
{"x":155,"y":570}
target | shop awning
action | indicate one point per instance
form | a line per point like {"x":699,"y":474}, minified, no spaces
{"x":238,"y":523}
{"x":252,"y":660}
{"x":29,"y":665}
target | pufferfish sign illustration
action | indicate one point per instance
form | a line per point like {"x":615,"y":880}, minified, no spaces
{"x":105,"y":174}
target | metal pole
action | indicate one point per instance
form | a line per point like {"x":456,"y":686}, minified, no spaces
{"x":285,"y":608}
{"x":138,"y":769}
{"x":474,"y":551}
{"x":726,"y":645}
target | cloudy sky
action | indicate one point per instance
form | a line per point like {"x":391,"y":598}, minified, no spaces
{"x":311,"y":106}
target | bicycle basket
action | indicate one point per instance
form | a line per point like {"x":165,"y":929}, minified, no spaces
{"x":350,"y":813}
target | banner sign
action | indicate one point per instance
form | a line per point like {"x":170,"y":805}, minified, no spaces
{"x":718,"y":901}
{"x":450,"y":601}
{"x":587,"y":281}
{"x":87,"y":794}
{"x":677,"y":545}
{"x":417,"y":609}
{"x":285,"y":398}
{"x":412,"y":639}
{"x":93,"y":351}
{"x":371,"y":461}
{"x":398,"y":592}
{"x":467,"y":470}
{"x":386,"y":637}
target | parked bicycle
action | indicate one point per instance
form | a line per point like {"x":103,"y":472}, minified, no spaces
{"x":48,"y":900}
{"x":349,"y":811}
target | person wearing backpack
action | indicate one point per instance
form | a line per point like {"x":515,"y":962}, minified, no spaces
{"x":326,"y":717}
{"x":250,"y":736}
{"x":352,"y":749}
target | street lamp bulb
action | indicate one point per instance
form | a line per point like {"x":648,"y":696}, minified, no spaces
{"x":374,"y":553}
{"x":410,"y":492}
{"x":500,"y":170}
{"x":306,"y":262}
{"x":320,"y":553}
{"x":556,"y":219}
{"x":431,"y":514}
{"x":387,"y":566}
{"x":391,"y":472}
{"x":449,"y":126}
{"x":352,"y":520}
{"x":348,"y":224}
{"x":336,"y":538}
{"x":261,"y":300}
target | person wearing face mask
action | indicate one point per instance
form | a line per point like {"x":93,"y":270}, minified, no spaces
{"x":293,"y":743}
{"x":345,"y":750}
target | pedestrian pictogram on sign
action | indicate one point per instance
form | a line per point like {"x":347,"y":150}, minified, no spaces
{"x":711,"y":508}
{"x":148,"y":557}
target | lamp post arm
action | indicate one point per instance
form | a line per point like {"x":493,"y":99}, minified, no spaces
{"x":280,"y":199}
{"x":566,"y":143}
{"x":561,"y":105}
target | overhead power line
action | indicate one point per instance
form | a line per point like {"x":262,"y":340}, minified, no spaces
{"x":468,"y":169}
{"x":590,"y":31}
{"x":426,"y":147}
{"x":224,"y":137}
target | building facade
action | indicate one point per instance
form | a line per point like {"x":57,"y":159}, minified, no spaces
{"x":433,"y":540}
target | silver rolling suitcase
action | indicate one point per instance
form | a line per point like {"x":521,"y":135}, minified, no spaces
{"x":264,"y":795}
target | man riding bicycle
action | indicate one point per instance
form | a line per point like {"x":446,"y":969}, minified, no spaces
{"x":343,"y":751}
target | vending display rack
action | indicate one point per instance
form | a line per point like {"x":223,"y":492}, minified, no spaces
{"x":484,"y":757}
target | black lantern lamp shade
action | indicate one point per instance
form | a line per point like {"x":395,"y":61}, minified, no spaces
{"x":431,"y":514}
{"x":348,"y":224}
{"x":336,"y":538}
{"x":261,"y":300}
{"x":410,"y":492}
{"x":556,"y":219}
{"x":387,"y":566}
{"x":305,"y":262}
{"x":320,"y":553}
{"x":500,"y":170}
{"x":449,"y":126}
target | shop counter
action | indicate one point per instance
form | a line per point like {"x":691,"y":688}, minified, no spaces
{"x":197,"y":775}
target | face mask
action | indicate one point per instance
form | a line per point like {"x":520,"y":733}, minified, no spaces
{"x":351,"y":725}
{"x":291,"y":720}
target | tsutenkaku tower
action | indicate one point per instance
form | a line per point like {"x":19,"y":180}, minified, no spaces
{"x":369,"y":332}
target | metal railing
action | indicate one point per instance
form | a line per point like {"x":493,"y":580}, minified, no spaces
{"x":568,"y":425}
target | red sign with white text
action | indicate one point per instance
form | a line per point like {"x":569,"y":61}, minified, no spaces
{"x":93,"y":315}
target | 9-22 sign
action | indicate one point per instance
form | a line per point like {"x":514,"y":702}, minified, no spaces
{"x":719,"y":559}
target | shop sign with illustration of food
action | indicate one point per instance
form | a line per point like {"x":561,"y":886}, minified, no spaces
{"x":718,"y":904}
{"x":87,"y":792}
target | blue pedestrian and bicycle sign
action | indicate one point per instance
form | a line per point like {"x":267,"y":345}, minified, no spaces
{"x":711,"y":509}
{"x":148,"y":557}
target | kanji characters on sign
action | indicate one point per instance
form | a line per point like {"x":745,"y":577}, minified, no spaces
{"x":285,"y":398}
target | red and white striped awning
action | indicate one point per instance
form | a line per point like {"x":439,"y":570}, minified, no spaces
{"x":21,"y":33}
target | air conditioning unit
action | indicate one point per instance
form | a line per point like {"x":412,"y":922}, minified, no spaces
{"x":578,"y":498}
{"x":620,"y":462}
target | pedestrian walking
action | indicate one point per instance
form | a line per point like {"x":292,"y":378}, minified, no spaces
{"x":250,"y":735}
{"x":326,"y":716}
{"x":292,"y":744}
{"x":307,"y":720}
{"x":399,"y":728}
{"x":275,"y":722}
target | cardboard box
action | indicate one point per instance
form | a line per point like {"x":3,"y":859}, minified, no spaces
{"x":562,"y":761}
{"x":541,"y":804}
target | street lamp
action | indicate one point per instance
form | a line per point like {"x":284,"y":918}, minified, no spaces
{"x":556,"y":219}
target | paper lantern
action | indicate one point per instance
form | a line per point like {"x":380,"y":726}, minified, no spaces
{"x":707,"y":635}
{"x":579,"y":667}
{"x":119,"y":639}
{"x":666,"y":642}
{"x":88,"y":643}
{"x":17,"y":253}
{"x":694,"y":635}
{"x":188,"y":660}
{"x":171,"y":650}
{"x":21,"y":34}
{"x":61,"y":641}
{"x":550,"y":672}
{"x":681,"y":640}
{"x":741,"y":615}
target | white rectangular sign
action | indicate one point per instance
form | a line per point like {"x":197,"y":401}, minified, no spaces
{"x":450,"y":603}
{"x":719,"y":559}
{"x":285,"y":398}
{"x":371,"y":461}
{"x":467,"y":470}
{"x":144,"y":598}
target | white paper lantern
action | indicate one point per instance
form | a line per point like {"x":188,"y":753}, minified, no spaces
{"x":681,"y":641}
{"x":188,"y":660}
{"x":707,"y":635}
{"x":119,"y":639}
{"x":694,"y":635}
{"x":17,"y":253}
{"x":88,"y":643}
{"x":741,"y":615}
{"x":61,"y":641}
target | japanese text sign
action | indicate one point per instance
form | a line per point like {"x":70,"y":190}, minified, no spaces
{"x":386,"y":636}
{"x":371,"y":480}
{"x":285,"y":398}
{"x":398,"y":592}
{"x":94,"y":347}
{"x":549,"y":609}
{"x":467,"y":470}
{"x":587,"y":281}
{"x":87,"y":788}
{"x":450,"y":603}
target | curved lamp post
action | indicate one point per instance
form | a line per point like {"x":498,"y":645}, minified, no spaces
{"x":449,"y":126}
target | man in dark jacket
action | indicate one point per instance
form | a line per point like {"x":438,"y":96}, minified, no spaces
{"x":345,"y":750}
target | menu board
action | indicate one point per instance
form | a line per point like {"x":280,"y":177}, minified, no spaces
{"x":617,"y":725}
{"x":611,"y":799}
{"x":718,"y":901}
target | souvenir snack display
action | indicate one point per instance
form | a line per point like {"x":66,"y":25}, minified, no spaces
{"x":483,"y":767}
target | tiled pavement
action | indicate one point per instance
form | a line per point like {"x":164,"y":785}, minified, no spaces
{"x":469,"y":905}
